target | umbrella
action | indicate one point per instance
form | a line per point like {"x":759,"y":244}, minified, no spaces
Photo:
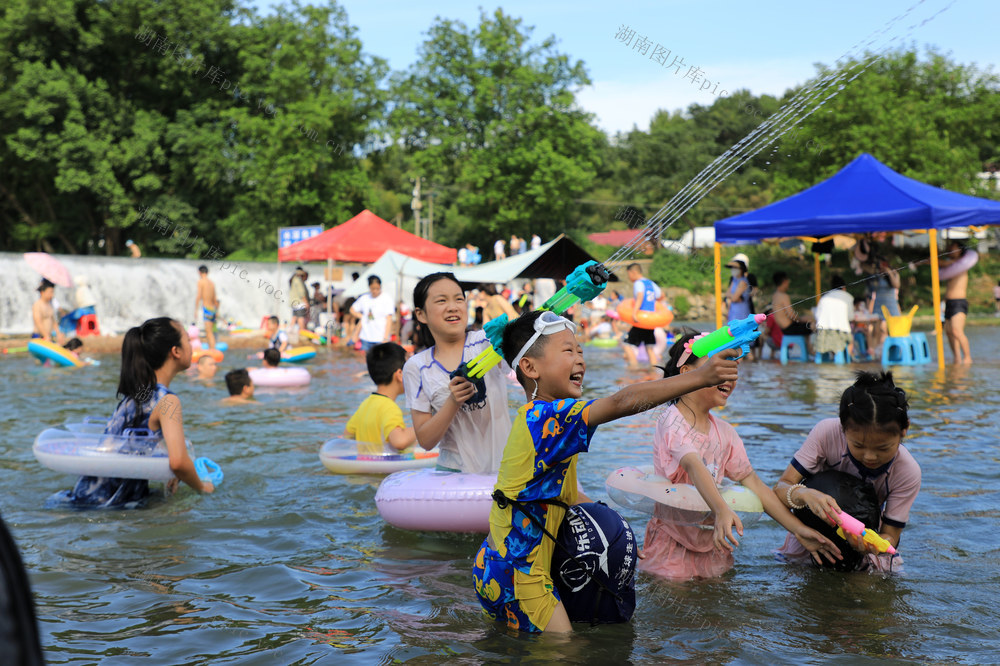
{"x":49,"y":268}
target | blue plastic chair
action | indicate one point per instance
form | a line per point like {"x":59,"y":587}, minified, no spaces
{"x":921,"y":348}
{"x":839,"y":357}
{"x":898,"y":351}
{"x":800,"y":343}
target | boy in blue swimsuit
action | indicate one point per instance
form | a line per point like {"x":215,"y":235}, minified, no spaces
{"x":537,"y":478}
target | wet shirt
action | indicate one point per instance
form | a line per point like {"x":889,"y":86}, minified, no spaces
{"x":646,"y":292}
{"x":896,"y":484}
{"x":371,"y":424}
{"x":106,"y":492}
{"x":539,"y":463}
{"x":475,"y":440}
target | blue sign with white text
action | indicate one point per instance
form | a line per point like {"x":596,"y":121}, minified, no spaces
{"x":291,"y":235}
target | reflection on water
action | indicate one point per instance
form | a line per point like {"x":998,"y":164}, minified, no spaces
{"x":287,"y":563}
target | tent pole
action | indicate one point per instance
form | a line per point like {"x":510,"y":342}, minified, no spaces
{"x":936,"y":292}
{"x":329,"y":298}
{"x":718,"y":286}
{"x":819,"y":290}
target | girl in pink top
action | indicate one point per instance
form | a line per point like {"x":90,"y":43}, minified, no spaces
{"x":865,"y":442}
{"x":692,"y":446}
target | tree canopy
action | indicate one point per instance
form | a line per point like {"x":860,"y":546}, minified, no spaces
{"x":189,"y":125}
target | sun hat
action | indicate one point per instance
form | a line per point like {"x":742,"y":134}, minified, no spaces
{"x":739,"y":257}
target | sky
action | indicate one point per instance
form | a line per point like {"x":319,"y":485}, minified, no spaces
{"x":763,"y":47}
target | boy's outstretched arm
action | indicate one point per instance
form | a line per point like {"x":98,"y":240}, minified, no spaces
{"x":402,"y":438}
{"x":646,"y":395}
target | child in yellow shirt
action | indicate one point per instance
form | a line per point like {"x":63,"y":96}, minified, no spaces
{"x":378,"y":422}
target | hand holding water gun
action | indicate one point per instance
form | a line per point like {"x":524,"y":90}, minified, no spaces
{"x":852,"y":525}
{"x":738,"y":334}
{"x":585,"y":282}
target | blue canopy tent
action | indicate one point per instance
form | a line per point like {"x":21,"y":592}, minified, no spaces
{"x":864,"y":196}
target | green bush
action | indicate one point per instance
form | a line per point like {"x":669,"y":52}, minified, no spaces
{"x":681,"y":306}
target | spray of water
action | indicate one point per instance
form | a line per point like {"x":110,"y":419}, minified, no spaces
{"x":858,"y":59}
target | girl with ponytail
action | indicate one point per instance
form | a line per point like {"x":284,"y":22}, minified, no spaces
{"x":865,"y":442}
{"x":152,"y":355}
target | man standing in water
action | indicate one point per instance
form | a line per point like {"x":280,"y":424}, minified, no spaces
{"x":645,"y":293}
{"x":209,"y":304}
{"x":956,"y":306}
{"x":43,"y":316}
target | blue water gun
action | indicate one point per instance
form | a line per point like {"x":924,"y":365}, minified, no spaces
{"x":737,"y":334}
{"x":585,"y":282}
{"x":208,"y":470}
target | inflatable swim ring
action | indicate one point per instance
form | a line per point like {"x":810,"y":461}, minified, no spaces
{"x":214,"y":353}
{"x":84,"y":449}
{"x":315,"y":337}
{"x":435,"y":501}
{"x":639,"y":489}
{"x":603,"y":343}
{"x":968,"y":259}
{"x":44,"y":350}
{"x":298,"y":354}
{"x":280,"y":377}
{"x":341,"y":456}
{"x":658,"y":318}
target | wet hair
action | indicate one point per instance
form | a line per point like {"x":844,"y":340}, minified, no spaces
{"x":836,"y":282}
{"x":634,"y":266}
{"x":272,"y":319}
{"x":355,"y":275}
{"x":203,"y":269}
{"x":516,"y":334}
{"x":874,"y":401}
{"x":488,"y":289}
{"x":372,"y":279}
{"x":237,"y":380}
{"x":73,"y":344}
{"x":144,"y":351}
{"x":272,"y":357}
{"x":425,"y":338}
{"x":383,"y":361}
{"x":670,"y":366}
{"x":778,"y":278}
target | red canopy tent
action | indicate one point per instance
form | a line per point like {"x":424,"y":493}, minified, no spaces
{"x":364,"y":238}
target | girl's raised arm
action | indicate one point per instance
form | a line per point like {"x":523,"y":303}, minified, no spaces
{"x":646,"y":395}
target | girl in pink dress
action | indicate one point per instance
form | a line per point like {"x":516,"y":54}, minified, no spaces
{"x":694,"y":447}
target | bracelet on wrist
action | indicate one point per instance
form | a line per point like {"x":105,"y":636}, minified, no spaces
{"x":788,"y":496}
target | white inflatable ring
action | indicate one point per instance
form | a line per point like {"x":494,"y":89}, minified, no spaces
{"x":341,"y":456}
{"x":435,"y":501}
{"x":280,"y":377}
{"x":968,"y":259}
{"x":84,"y":449}
{"x":639,"y":489}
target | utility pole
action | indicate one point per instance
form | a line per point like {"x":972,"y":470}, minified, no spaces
{"x":416,"y":206}
{"x":430,"y":216}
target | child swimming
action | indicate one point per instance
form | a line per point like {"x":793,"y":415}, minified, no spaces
{"x":537,"y":479}
{"x":272,"y":358}
{"x":378,"y":422}
{"x":865,"y":442}
{"x":470,"y":427}
{"x":152,"y":355}
{"x":240,"y":385}
{"x":693,"y":446}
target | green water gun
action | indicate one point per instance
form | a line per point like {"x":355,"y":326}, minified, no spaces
{"x":737,"y":334}
{"x":585,"y":282}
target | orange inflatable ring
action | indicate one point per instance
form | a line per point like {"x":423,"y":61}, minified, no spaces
{"x":658,"y":318}
{"x":214,"y":353}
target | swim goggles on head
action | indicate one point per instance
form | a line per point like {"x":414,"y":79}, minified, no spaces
{"x":546,"y":324}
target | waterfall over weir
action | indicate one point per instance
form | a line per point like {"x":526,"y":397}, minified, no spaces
{"x":129,"y":291}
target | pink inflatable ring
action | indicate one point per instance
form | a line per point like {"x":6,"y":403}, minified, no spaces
{"x":968,"y":259}
{"x":280,"y":377}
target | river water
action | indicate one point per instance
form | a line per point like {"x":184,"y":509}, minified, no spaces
{"x":287,"y":563}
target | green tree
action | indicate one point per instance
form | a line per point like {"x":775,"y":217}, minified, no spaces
{"x":490,"y":120}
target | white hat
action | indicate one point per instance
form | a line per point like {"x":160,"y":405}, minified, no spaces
{"x":741,"y":258}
